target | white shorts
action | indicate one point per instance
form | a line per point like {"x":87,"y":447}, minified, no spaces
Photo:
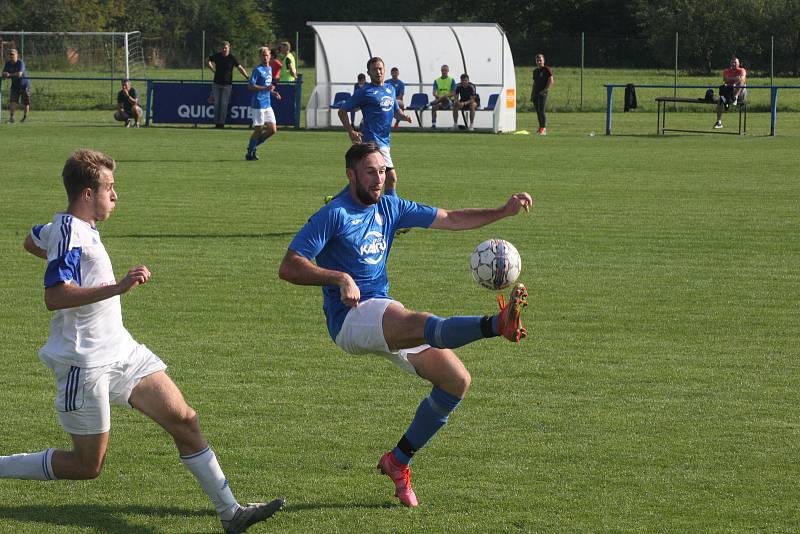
{"x":84,"y":395}
{"x":387,"y":157}
{"x":362,"y":333}
{"x":262,"y":116}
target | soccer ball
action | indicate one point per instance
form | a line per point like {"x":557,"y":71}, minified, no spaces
{"x":496,"y":264}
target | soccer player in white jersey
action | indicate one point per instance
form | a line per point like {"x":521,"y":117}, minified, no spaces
{"x":264,"y":124}
{"x":344,"y":248}
{"x":95,"y":360}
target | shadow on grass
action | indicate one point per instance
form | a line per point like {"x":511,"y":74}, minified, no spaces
{"x":109,"y":519}
{"x":289,"y":508}
{"x":202,"y":236}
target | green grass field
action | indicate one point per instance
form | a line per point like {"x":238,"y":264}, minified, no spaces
{"x":658,"y":391}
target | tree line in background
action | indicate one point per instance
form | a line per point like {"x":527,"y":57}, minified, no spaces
{"x":634,"y":33}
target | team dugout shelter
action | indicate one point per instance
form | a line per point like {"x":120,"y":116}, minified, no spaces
{"x":418,"y":50}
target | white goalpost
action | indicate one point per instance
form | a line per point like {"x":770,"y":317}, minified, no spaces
{"x":113,"y":54}
{"x":75,"y":70}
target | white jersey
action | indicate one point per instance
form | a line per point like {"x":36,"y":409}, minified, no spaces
{"x":89,"y":335}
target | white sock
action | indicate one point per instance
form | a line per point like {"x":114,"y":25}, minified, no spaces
{"x":33,"y":466}
{"x":206,"y":470}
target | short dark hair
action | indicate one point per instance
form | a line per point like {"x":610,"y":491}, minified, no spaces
{"x":362,"y":76}
{"x":374,"y":60}
{"x":464,"y":77}
{"x":357,"y":152}
{"x":82,"y":170}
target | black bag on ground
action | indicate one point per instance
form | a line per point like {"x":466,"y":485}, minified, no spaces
{"x":630,"y":97}
{"x":709,"y":95}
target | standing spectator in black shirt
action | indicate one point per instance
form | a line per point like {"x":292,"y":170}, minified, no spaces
{"x":542,"y":80}
{"x":222,"y":64}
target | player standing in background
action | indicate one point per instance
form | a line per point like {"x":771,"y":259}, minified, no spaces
{"x":95,"y":360}
{"x":264,"y":124}
{"x":399,"y":90}
{"x":288,"y":61}
{"x":379,"y":107}
{"x":350,"y":239}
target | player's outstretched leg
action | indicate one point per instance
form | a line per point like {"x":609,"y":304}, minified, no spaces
{"x":509,"y":323}
{"x":455,"y":332}
{"x":251,"y":514}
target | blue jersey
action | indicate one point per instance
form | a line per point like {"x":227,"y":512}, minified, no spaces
{"x":261,"y":76}
{"x":13,"y":68}
{"x":377,"y":104}
{"x":399,"y":86}
{"x":348,"y":237}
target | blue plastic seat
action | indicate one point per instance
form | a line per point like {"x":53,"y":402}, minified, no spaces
{"x":340,"y":99}
{"x":419,"y":103}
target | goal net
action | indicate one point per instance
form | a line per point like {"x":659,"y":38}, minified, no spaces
{"x":84,"y":55}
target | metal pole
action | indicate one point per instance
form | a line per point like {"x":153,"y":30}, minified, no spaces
{"x":297,"y":48}
{"x":609,"y":102}
{"x":582,"y":58}
{"x":203,"y":60}
{"x":773,"y":109}
{"x":771,"y":60}
{"x":22,"y":44}
{"x":127,"y":60}
{"x":675,"y":79}
{"x":113,"y":64}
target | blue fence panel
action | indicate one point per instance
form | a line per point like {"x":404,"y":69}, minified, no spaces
{"x":189,"y":103}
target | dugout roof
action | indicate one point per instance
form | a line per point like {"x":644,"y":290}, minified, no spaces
{"x":418,"y":50}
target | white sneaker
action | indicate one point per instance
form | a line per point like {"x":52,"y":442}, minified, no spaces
{"x":471,"y":127}
{"x":454,"y":127}
{"x":718,"y":125}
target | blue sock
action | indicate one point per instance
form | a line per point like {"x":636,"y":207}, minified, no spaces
{"x":455,"y":332}
{"x":252,"y":145}
{"x":431,"y":415}
{"x":261,"y":140}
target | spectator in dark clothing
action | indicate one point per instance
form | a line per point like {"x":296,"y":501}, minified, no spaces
{"x":542,"y":80}
{"x":20,"y":85}
{"x":222,"y":64}
{"x":466,"y":98}
{"x":128,"y":108}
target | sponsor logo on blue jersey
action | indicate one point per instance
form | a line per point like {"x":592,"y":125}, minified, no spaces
{"x":373,"y":249}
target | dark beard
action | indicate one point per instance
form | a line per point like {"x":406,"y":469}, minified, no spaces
{"x":363,"y":196}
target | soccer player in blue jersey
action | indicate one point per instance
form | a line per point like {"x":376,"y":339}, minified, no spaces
{"x":399,"y":90}
{"x":264,"y":125}
{"x":379,"y":106}
{"x":344,"y":248}
{"x":96,"y":362}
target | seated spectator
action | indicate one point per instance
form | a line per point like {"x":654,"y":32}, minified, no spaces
{"x":466,"y":98}
{"x":732,"y":91}
{"x":399,"y":91}
{"x":128,"y":109}
{"x":443,"y":92}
